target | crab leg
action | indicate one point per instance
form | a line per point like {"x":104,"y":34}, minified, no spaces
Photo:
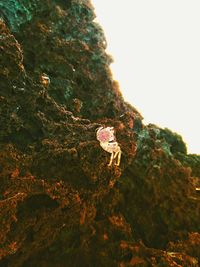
{"x":111,"y":159}
{"x":119,"y":157}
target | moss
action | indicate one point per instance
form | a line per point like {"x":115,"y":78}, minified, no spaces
{"x":174,"y":140}
{"x":18,"y":12}
{"x":82,"y":11}
{"x":192,"y":161}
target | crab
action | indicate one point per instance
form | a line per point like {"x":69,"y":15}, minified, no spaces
{"x":106,"y":137}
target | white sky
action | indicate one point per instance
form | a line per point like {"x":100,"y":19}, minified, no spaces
{"x":156,"y":49}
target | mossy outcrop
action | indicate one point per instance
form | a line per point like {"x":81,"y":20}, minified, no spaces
{"x":60,"y":204}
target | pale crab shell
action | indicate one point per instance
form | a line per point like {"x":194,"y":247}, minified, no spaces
{"x":108,"y":142}
{"x":110,"y":147}
{"x":105,"y":134}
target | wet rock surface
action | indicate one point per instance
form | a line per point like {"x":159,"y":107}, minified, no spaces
{"x":60,"y":204}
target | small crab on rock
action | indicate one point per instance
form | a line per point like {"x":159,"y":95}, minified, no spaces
{"x":106,"y":137}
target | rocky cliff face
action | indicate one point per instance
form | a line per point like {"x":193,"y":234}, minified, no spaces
{"x":60,"y":204}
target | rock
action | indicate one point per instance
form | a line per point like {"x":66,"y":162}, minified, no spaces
{"x":60,"y":204}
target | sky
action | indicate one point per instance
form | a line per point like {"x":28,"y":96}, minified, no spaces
{"x":156,"y":50}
